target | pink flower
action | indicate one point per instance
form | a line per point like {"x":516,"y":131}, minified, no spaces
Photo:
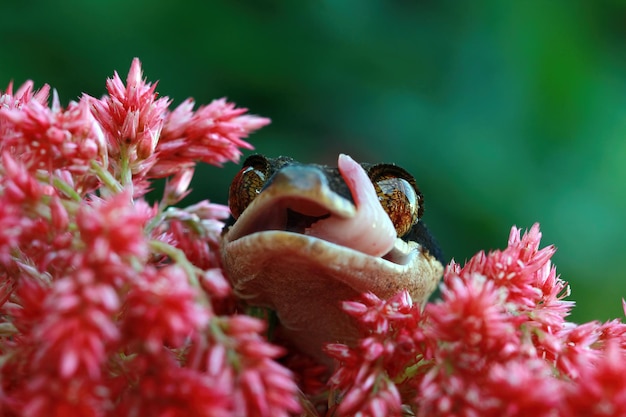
{"x":613,"y":331}
{"x":198,"y":249}
{"x":496,"y":344}
{"x":212,"y":135}
{"x":7,"y":286}
{"x":53,"y":138}
{"x":471,"y":323}
{"x":601,"y":389}
{"x":525,"y":272}
{"x":519,"y":387}
{"x":158,"y":386}
{"x":362,"y":383}
{"x":131,"y":116}
{"x":575,"y":349}
{"x":524,"y":388}
{"x":260,"y":386}
{"x":24,"y":94}
{"x":196,"y":231}
{"x":177,"y":187}
{"x":55,"y":364}
{"x":26,"y":308}
{"x":103,"y":298}
{"x":371,"y":374}
{"x":154,"y":142}
{"x":310,"y":376}
{"x":42,"y":396}
{"x":113,"y":230}
{"x":161,"y":309}
{"x":32,"y":218}
{"x":76,"y":326}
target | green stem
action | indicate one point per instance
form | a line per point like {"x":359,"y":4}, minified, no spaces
{"x":156,"y":220}
{"x":126,"y":176}
{"x":107,"y":179}
{"x":66,"y":189}
{"x":7,"y":329}
{"x":179,"y":258}
{"x":216,"y":329}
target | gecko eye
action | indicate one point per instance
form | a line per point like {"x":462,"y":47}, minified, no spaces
{"x":247,"y":184}
{"x":398,"y":194}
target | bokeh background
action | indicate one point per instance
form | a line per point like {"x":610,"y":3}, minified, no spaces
{"x":507,"y":113}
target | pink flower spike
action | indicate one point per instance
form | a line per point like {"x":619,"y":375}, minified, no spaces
{"x":215,"y":283}
{"x":161,"y":309}
{"x":23,"y":95}
{"x":99,"y":315}
{"x":212,"y":135}
{"x":132,"y":118}
{"x":206,"y":210}
{"x":133,"y":80}
{"x":54,"y":139}
{"x":114,"y":228}
{"x":354,"y":308}
{"x":601,"y":389}
{"x":177,"y":188}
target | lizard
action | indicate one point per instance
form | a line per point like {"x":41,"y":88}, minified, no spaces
{"x":305,"y":237}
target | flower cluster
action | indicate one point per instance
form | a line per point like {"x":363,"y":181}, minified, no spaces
{"x":497,"y":343}
{"x":110,"y":305}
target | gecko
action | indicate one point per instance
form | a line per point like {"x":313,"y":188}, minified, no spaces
{"x":305,"y":237}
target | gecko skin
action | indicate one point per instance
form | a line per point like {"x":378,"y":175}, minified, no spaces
{"x":307,"y":237}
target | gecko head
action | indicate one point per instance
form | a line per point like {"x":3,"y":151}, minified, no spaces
{"x":306,"y":237}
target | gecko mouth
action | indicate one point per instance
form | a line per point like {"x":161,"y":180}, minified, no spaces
{"x":298,"y":222}
{"x":296,"y":202}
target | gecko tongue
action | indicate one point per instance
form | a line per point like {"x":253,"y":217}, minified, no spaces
{"x":370,"y":231}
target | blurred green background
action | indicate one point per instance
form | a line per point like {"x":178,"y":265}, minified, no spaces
{"x":507,"y":113}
